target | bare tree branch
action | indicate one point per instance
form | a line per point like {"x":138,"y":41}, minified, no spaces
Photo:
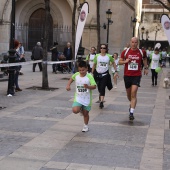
{"x":165,"y":6}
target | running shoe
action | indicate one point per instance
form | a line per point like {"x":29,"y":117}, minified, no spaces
{"x":101,"y":105}
{"x":131,"y":117}
{"x":85,"y":128}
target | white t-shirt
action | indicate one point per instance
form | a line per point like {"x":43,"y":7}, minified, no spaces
{"x":103,"y":62}
{"x":117,"y":65}
{"x":83,"y":95}
{"x":148,"y":53}
{"x":91,"y":60}
{"x":155,"y":60}
{"x":164,"y":54}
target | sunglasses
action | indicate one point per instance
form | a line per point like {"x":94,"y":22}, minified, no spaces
{"x":103,"y":48}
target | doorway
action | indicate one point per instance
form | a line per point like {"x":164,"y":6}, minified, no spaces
{"x":36,"y":29}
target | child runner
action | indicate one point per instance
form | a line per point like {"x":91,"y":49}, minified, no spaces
{"x":85,"y":83}
{"x":115,"y":76}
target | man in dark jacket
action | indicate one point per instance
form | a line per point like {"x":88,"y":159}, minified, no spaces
{"x":68,"y":53}
{"x":54,"y":56}
{"x":37,"y":54}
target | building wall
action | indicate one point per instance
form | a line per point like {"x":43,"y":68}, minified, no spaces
{"x":61,"y":11}
{"x":154,"y":27}
{"x":122,"y":29}
{"x":4,"y":25}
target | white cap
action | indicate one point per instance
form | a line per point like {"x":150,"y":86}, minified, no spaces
{"x":38,"y":43}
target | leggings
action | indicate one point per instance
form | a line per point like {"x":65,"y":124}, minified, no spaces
{"x":154,"y":76}
{"x":101,"y":84}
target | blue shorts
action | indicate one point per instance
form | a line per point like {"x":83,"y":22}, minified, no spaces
{"x":88,"y":108}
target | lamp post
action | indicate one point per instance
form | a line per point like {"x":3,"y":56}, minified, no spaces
{"x":134,"y":25}
{"x":11,"y":57}
{"x":142,"y":31}
{"x":156,"y":31}
{"x":109,"y":21}
{"x":12,"y":32}
{"x":147,"y":36}
{"x":81,"y":3}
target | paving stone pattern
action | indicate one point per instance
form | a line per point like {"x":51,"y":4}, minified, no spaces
{"x":38,"y":130}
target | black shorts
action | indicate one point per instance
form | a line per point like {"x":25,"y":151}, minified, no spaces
{"x":132,"y":80}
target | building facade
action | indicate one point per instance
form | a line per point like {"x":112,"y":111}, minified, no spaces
{"x":29,"y":23}
{"x":150,"y":30}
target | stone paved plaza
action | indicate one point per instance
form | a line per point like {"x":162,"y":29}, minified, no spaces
{"x":38,"y":130}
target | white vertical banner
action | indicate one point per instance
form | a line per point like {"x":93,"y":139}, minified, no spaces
{"x":165,"y":21}
{"x":80,"y":25}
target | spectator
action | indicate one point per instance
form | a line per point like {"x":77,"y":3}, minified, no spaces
{"x":17,"y":68}
{"x":37,"y":54}
{"x":21,"y":52}
{"x":68,"y":53}
{"x":54,"y":56}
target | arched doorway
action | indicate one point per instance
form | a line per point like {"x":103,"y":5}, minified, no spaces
{"x":36,"y":29}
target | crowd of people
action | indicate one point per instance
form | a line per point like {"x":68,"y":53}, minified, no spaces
{"x":94,"y":71}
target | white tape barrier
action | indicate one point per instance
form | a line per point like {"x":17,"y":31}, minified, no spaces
{"x":37,"y":61}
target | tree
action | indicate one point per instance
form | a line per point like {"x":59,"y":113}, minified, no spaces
{"x":98,"y":24}
{"x":163,"y":4}
{"x":45,"y":45}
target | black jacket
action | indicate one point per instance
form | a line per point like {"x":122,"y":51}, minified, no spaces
{"x":65,"y":53}
{"x":54,"y":51}
{"x":37,"y":52}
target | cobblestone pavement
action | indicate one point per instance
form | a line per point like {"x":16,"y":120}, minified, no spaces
{"x":38,"y":130}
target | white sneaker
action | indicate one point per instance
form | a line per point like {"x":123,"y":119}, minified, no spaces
{"x":115,"y":87}
{"x":85,"y":128}
{"x":9,"y":95}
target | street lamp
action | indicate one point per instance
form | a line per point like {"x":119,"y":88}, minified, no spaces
{"x":147,"y":37}
{"x":12,"y":33}
{"x":156,"y":30}
{"x":11,"y":57}
{"x":142,"y":31}
{"x":134,"y":25}
{"x":109,"y":21}
{"x":147,"y":34}
{"x":81,"y":2}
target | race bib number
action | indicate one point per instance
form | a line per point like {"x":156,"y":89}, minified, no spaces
{"x":103,"y":65}
{"x":155,"y":63}
{"x":133,"y":66}
{"x":81,"y":89}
